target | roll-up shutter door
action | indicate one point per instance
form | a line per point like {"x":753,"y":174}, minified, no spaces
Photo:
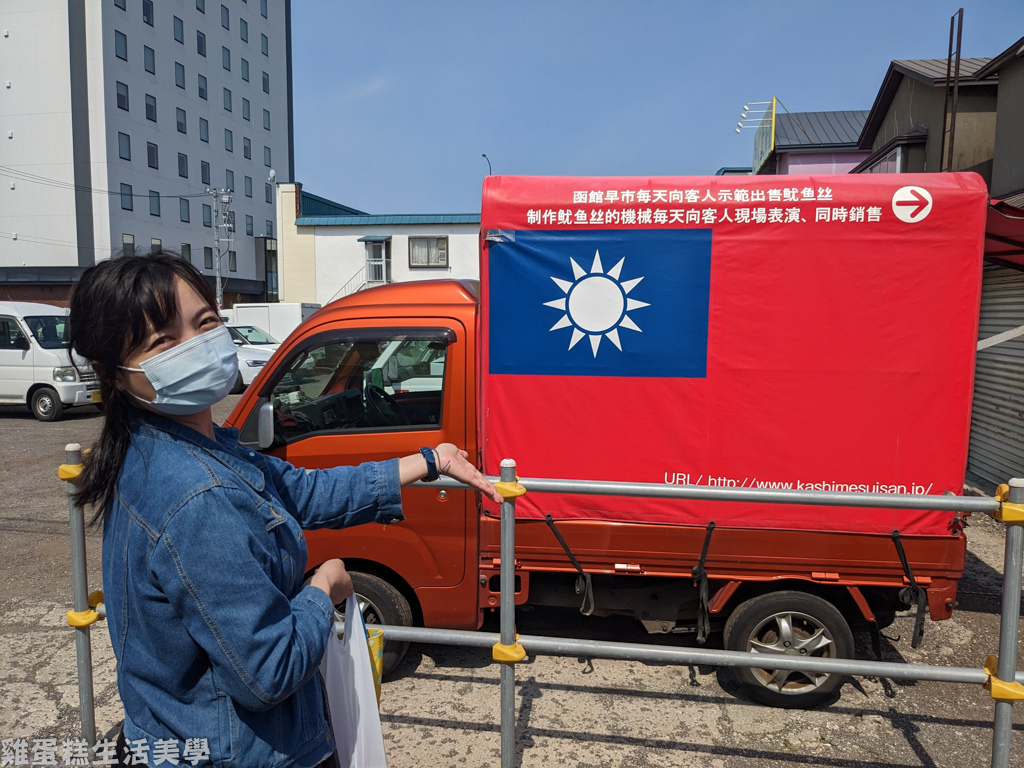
{"x":997,"y":421}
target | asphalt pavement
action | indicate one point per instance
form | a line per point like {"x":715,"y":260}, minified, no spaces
{"x":441,"y":705}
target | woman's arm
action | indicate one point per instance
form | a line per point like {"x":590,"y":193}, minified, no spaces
{"x":451,"y":461}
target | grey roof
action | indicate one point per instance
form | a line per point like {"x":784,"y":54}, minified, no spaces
{"x":396,"y":219}
{"x":1015,"y":51}
{"x":933,"y":71}
{"x":833,"y":130}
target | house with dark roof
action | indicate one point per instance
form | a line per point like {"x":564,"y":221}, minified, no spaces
{"x":327,"y":250}
{"x":904,"y":128}
{"x":1008,"y":155}
{"x":813,"y":142}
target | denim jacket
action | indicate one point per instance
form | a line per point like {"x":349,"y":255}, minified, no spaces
{"x":203,"y":564}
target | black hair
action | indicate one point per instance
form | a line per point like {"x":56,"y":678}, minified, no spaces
{"x":113,"y":307}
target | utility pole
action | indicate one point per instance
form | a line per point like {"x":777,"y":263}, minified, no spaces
{"x":223,"y":232}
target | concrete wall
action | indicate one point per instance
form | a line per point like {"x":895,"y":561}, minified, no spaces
{"x":1008,"y":168}
{"x":296,"y":250}
{"x":340,"y":256}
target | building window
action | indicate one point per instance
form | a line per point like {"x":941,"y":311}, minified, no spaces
{"x":263,"y":8}
{"x":232,"y":262}
{"x":204,"y":172}
{"x":154,"y":203}
{"x":121,"y":4}
{"x":266,"y":156}
{"x":186,"y":252}
{"x":128,"y":245}
{"x":200,"y":43}
{"x":147,"y":11}
{"x":179,"y":30}
{"x":179,"y":75}
{"x":152,"y":155}
{"x":124,"y":146}
{"x":229,"y":141}
{"x":122,"y":96}
{"x":268,"y":193}
{"x":201,"y":6}
{"x":202,"y":87}
{"x":225,"y":58}
{"x":208,"y":257}
{"x":121,"y":45}
{"x":149,"y":59}
{"x":265,"y":44}
{"x":245,"y":109}
{"x":155,"y":244}
{"x":183,"y":209}
{"x":246,"y":148}
{"x":270,"y":228}
{"x":891,"y":163}
{"x":245,"y":70}
{"x":204,"y":130}
{"x":126,"y":198}
{"x":229,"y":180}
{"x":248,"y":187}
{"x":151,"y":107}
{"x":207,"y":215}
{"x":180,"y":118}
{"x":225,"y":17}
{"x":266,"y":83}
{"x":243,"y":29}
{"x":183,"y":165}
{"x":227,"y":99}
{"x":266,"y":119}
{"x":248,"y":224}
{"x":428,"y":252}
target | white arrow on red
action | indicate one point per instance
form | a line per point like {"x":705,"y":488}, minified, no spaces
{"x":920,"y":202}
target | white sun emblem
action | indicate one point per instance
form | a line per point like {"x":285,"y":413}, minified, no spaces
{"x":596,"y":304}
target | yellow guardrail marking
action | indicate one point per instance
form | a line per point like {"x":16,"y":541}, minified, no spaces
{"x":69,"y":472}
{"x":510,"y":490}
{"x":1011,"y":514}
{"x":508,"y":654}
{"x":83,"y":618}
{"x":998,"y":689}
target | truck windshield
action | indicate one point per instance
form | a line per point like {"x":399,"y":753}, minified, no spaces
{"x":250,"y":334}
{"x":51,"y":331}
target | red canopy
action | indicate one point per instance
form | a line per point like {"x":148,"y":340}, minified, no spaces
{"x":1004,"y":232}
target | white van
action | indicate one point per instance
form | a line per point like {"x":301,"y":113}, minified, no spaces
{"x":35,"y":366}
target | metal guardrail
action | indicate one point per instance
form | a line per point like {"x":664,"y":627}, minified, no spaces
{"x":999,"y":675}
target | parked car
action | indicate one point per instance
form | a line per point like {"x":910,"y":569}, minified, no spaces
{"x":250,"y":335}
{"x":251,"y":360}
{"x":35,"y":365}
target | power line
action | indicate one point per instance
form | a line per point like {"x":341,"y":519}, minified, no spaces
{"x":14,"y":173}
{"x":48,"y":241}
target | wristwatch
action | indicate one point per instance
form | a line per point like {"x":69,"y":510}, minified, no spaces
{"x":432,"y":473}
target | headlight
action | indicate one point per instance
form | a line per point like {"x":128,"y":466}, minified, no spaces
{"x":65,"y":374}
{"x":255,"y":363}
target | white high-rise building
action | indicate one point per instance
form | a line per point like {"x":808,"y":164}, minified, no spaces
{"x":118,"y":116}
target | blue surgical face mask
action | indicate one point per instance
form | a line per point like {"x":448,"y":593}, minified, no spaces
{"x":193,"y":375}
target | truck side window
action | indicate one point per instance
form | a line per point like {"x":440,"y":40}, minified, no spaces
{"x":363,"y":384}
{"x":10,"y":332}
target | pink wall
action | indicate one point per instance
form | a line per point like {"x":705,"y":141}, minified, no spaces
{"x":819,"y":162}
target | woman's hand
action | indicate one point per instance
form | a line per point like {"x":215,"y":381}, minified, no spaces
{"x":454,"y":462}
{"x":333,"y":579}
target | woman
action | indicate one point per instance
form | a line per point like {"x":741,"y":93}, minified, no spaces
{"x":215,"y":635}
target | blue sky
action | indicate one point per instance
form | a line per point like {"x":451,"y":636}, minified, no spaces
{"x":396,"y":101}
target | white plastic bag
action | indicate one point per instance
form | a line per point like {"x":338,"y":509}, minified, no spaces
{"x":351,"y":696}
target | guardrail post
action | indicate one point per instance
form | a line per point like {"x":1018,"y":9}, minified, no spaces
{"x":508,"y":617}
{"x":82,"y":617}
{"x":1008,"y":623}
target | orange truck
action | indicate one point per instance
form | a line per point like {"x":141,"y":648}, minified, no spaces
{"x":794,"y":333}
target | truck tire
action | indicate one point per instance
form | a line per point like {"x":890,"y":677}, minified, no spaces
{"x":381,"y":603}
{"x":789,"y":623}
{"x":46,"y":405}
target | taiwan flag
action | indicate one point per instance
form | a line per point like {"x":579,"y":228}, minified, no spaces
{"x":615,"y":303}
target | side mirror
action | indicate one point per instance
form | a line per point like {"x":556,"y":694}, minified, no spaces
{"x":21,"y":342}
{"x":265,"y":426}
{"x":238,"y":342}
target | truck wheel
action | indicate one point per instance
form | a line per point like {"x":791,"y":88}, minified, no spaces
{"x":381,"y":603}
{"x":46,"y":404}
{"x":239,"y":385}
{"x":789,"y":623}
